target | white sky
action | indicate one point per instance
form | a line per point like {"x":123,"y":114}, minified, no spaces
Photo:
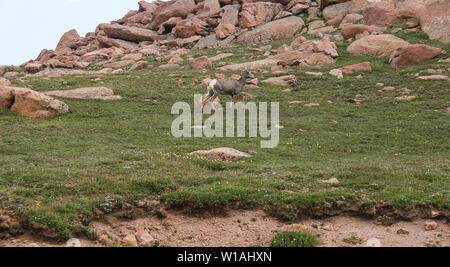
{"x":28,"y":26}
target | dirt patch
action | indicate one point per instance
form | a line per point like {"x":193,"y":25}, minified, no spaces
{"x":245,"y":228}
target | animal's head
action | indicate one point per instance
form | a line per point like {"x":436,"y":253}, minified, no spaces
{"x":248,"y":75}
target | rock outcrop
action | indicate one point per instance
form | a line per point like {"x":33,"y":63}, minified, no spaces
{"x":158,"y":27}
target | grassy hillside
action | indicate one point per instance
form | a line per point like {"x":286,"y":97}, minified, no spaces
{"x":102,"y":154}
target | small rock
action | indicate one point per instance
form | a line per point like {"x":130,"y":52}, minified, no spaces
{"x":433,"y":77}
{"x":145,"y":239}
{"x":312,"y":105}
{"x":130,"y":241}
{"x":380,"y":84}
{"x":314,"y":73}
{"x":430,"y":225}
{"x":374,"y":243}
{"x":406,"y":97}
{"x":73,"y":243}
{"x":387,"y":89}
{"x":402,"y":232}
{"x":435,"y":214}
{"x":337,"y":73}
{"x":333,"y":181}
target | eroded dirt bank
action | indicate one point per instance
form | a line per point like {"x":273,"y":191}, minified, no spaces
{"x":247,"y":228}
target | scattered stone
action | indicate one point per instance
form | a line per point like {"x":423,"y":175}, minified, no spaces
{"x":139,"y":65}
{"x":130,"y":241}
{"x":402,"y":232}
{"x":222,"y":154}
{"x":118,"y":64}
{"x":220,"y":57}
{"x":332,"y":181}
{"x":337,"y":73}
{"x":134,"y":57}
{"x":406,"y":97}
{"x":435,"y":214}
{"x":288,"y":80}
{"x":73,"y":243}
{"x":364,"y":66}
{"x":295,"y":102}
{"x":4,"y":82}
{"x":314,"y":73}
{"x":373,"y":243}
{"x":86,"y":93}
{"x":433,"y":77}
{"x":430,"y":225}
{"x":200,"y":63}
{"x":387,"y":89}
{"x":144,"y":238}
{"x":312,"y":105}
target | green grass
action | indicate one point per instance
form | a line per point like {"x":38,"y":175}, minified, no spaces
{"x":294,"y":239}
{"x":102,"y":154}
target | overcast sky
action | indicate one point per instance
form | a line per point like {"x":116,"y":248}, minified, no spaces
{"x":28,"y":26}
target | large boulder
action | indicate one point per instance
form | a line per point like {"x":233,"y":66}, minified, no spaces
{"x":225,"y":30}
{"x":102,"y":54}
{"x":254,"y":14}
{"x":111,"y":42}
{"x":4,"y":82}
{"x":380,"y":15}
{"x":33,"y":67}
{"x":413,"y":54}
{"x":230,"y":14}
{"x":144,"y":6}
{"x":180,"y":8}
{"x":190,"y":27}
{"x":337,"y":10}
{"x":359,"y":5}
{"x":287,"y":80}
{"x":222,"y":154}
{"x":210,"y":6}
{"x":6,"y":96}
{"x":352,"y":30}
{"x":133,"y":34}
{"x":272,"y":31}
{"x":435,"y":20}
{"x":350,"y":69}
{"x":29,"y":103}
{"x":2,"y":70}
{"x":200,"y":63}
{"x":102,"y":93}
{"x":325,"y":3}
{"x":383,"y":45}
{"x":71,"y":40}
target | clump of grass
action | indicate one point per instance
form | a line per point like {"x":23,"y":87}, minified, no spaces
{"x":294,"y":239}
{"x":161,"y":215}
{"x":352,"y":240}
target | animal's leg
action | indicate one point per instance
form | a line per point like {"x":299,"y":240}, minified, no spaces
{"x":211,"y":99}
{"x":207,"y":98}
{"x":231,"y":103}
